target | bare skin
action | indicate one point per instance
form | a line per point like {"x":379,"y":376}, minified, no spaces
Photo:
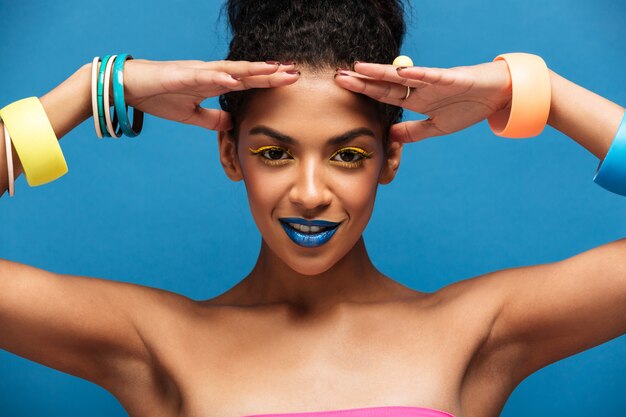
{"x":313,"y":333}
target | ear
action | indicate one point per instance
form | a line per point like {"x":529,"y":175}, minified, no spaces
{"x":228,"y":156}
{"x":390,"y":166}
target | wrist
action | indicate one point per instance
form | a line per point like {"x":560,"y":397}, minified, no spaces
{"x":69,"y":104}
{"x":554,"y":87}
{"x":507,"y":84}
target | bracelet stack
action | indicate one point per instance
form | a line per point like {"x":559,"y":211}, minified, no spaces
{"x":111,"y":67}
{"x":28,"y":128}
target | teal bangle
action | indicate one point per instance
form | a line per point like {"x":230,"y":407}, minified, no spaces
{"x":121,"y":109}
{"x":611,"y":173}
{"x":101,"y":120}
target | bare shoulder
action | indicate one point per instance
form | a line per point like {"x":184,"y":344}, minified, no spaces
{"x":478,"y":303}
{"x":100,"y":330}
{"x":477,"y":297}
{"x":142,"y":384}
{"x":457,"y":322}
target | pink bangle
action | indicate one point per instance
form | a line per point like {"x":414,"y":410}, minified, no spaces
{"x":531,"y":95}
{"x":95,"y":66}
{"x":7,"y":142}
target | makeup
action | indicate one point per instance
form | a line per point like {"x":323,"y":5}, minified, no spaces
{"x":308,"y":233}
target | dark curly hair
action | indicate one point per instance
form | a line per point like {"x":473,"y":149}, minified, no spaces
{"x":317,"y":34}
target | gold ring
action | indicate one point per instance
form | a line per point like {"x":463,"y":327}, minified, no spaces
{"x":408,"y":92}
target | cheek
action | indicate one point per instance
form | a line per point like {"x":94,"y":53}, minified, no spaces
{"x":357,"y":195}
{"x":264,"y":187}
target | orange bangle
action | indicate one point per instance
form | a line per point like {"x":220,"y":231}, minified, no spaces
{"x":531,"y":95}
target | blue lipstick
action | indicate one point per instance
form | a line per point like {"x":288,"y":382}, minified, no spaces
{"x":308,"y":239}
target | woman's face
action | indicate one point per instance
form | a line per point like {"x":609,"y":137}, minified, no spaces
{"x":311,"y":150}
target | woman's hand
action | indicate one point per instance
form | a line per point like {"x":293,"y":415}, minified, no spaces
{"x":174,"y":90}
{"x":453,"y":98}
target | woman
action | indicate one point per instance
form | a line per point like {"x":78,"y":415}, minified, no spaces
{"x":315,"y":326}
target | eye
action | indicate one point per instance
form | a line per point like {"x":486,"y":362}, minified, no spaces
{"x":354,"y":156}
{"x":349,"y":157}
{"x":271,"y":154}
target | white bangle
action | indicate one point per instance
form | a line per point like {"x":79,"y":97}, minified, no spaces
{"x":7,"y":141}
{"x":107,"y":87}
{"x":94,"y":94}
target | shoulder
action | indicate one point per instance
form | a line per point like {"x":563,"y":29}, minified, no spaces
{"x":478,"y":297}
{"x":472,"y":308}
{"x":150,"y":387}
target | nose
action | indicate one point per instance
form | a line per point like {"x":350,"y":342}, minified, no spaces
{"x":310,"y":190}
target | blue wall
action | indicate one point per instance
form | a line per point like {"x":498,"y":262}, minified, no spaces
{"x":145,"y":210}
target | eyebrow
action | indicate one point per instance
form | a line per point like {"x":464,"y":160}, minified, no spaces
{"x":335,"y":140}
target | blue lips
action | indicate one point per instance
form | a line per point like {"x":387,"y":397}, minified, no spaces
{"x":297,"y":220}
{"x":308,"y":240}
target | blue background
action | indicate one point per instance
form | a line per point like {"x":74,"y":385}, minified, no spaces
{"x":159,"y":211}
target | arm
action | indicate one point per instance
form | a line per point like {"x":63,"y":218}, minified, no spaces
{"x":552,"y":311}
{"x":86,"y":327}
{"x":77,"y":325}
{"x":589,"y":119}
{"x":92,"y":328}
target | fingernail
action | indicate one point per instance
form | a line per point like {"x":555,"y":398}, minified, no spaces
{"x":288,"y":63}
{"x":236,"y":78}
{"x":400,"y":68}
{"x":272,"y":62}
{"x":293,"y":72}
{"x":341,"y":73}
{"x":354,"y":64}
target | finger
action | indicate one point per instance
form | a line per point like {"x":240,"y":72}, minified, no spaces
{"x":213,"y":119}
{"x":195,"y":80}
{"x":440,"y":76}
{"x":384,"y":91}
{"x":414,"y":131}
{"x":386,"y":73}
{"x":278,"y":79}
{"x":204,"y":82}
{"x":247,"y":68}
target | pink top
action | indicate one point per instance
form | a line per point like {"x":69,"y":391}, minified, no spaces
{"x":389,"y":411}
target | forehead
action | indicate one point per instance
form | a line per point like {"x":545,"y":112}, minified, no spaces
{"x":313,"y":102}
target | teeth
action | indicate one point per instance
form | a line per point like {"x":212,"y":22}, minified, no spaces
{"x":307,"y":229}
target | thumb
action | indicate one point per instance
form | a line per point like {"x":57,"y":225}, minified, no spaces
{"x":414,"y":131}
{"x":213,"y":119}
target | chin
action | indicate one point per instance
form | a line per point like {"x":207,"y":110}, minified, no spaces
{"x":310,"y":266}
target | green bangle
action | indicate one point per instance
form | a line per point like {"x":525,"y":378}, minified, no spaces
{"x":121,"y":109}
{"x":101,"y":119}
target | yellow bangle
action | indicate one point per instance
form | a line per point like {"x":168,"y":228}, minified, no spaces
{"x":34,"y":140}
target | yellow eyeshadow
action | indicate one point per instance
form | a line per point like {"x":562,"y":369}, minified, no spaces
{"x":359,"y":151}
{"x":348,"y":164}
{"x":267,"y":148}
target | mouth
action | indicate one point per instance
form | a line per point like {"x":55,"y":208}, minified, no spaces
{"x":309,"y":233}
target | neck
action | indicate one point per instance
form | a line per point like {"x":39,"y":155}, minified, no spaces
{"x":353,"y":279}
